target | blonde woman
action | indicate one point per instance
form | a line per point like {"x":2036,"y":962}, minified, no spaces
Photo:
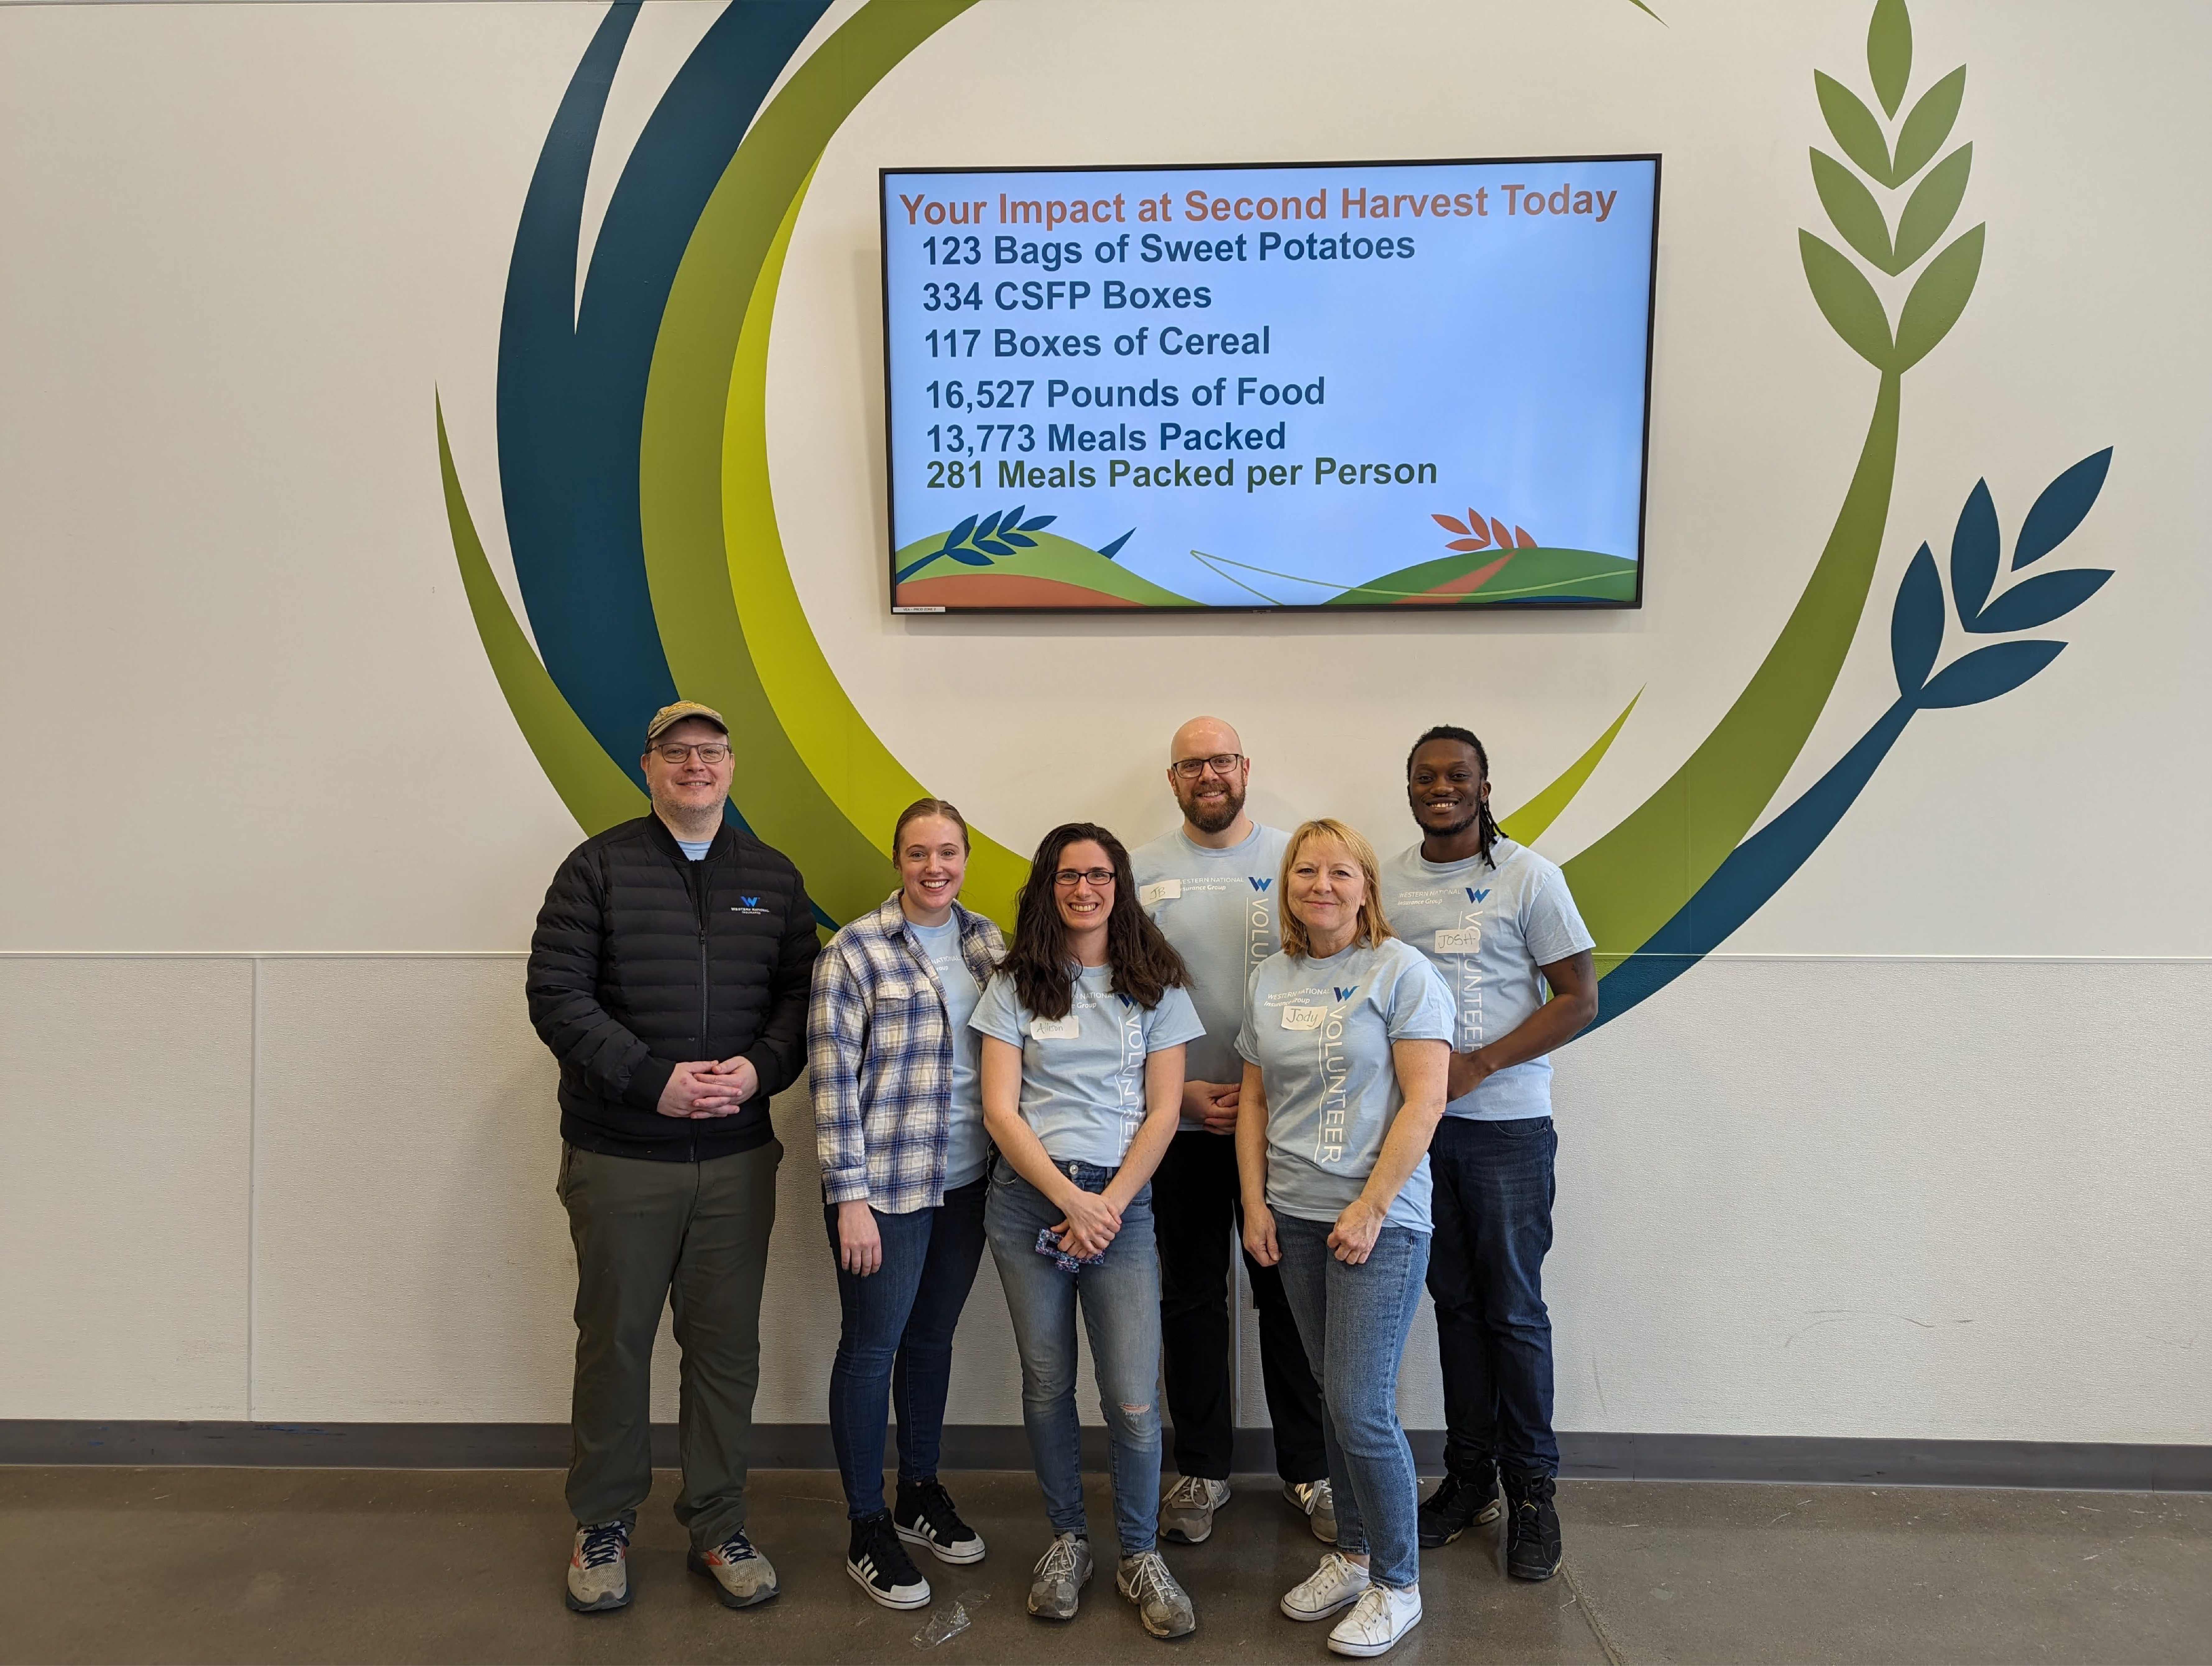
{"x":1346,"y":1035}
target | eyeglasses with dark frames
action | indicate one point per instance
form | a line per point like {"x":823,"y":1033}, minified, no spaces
{"x":1222,"y":764}
{"x":709,"y":751}
{"x":1066,"y":878}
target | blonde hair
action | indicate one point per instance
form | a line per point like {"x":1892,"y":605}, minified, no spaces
{"x":1374,"y":930}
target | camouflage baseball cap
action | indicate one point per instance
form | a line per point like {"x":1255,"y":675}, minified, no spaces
{"x":669,"y":716}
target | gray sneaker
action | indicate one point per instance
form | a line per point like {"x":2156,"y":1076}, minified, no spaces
{"x":598,"y":1568}
{"x":741,"y":1574}
{"x":1318,"y":1500}
{"x":1162,"y":1604}
{"x":1059,"y":1577}
{"x":1186,"y":1511}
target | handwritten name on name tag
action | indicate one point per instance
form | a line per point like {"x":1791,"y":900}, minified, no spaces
{"x":1164,"y":890}
{"x":1467,"y":939}
{"x":1304,"y":1017}
{"x":1065,"y":1028}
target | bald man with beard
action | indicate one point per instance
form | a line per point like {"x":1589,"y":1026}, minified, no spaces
{"x":1212,"y":886}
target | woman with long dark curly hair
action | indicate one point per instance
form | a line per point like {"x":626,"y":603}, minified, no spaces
{"x":1084,"y":1027}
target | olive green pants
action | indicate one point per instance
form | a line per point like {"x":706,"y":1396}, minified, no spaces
{"x":693,"y":1236}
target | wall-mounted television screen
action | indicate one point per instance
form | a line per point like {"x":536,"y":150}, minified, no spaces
{"x":1349,"y":385}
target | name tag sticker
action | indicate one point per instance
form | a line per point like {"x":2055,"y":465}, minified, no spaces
{"x":1304,"y":1017}
{"x":1065,"y":1028}
{"x":1467,"y":939}
{"x":1165,"y":891}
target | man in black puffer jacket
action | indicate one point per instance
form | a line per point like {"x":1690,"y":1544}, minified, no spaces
{"x":669,"y":974}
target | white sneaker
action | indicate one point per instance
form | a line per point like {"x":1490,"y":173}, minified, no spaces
{"x":1335,"y":1585}
{"x":598,"y":1568}
{"x":1376,"y":1622}
{"x":1186,"y":1511}
{"x":1317,"y":1499}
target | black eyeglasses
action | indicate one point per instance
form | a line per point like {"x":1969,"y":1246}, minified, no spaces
{"x":1222,"y":764}
{"x":710,"y":751}
{"x":1066,"y":878}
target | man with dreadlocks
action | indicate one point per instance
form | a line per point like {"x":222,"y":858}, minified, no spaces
{"x":1495,"y":919}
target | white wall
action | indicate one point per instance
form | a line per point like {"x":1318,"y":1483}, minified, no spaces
{"x":337,"y":1206}
{"x":1826,"y":1184}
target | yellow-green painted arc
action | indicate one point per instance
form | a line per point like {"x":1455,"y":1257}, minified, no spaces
{"x":592,"y":785}
{"x":1527,"y":824}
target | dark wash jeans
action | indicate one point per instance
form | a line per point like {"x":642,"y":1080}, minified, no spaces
{"x":1492,"y":1206}
{"x":1197,"y":1214}
{"x":693,"y":1238}
{"x":897,"y":1335}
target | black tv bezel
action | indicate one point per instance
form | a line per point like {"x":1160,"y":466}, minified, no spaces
{"x":884,"y":176}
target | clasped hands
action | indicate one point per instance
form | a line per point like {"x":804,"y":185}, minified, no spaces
{"x":1091,"y":1221}
{"x":705,"y":1088}
{"x":1213,"y":1105}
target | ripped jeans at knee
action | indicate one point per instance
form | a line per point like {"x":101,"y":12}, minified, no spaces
{"x":1118,"y":1303}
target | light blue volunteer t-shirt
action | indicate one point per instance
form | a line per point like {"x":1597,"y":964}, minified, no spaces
{"x":1486,"y":930}
{"x":967,"y":1148}
{"x":1083,"y":1076}
{"x":1219,"y":909}
{"x":1321,"y":1032}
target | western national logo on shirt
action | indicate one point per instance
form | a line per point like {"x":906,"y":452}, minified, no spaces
{"x":1258,"y":884}
{"x":1346,"y":995}
{"x":1474,"y":895}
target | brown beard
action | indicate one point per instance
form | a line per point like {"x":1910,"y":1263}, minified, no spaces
{"x":1214,"y":821}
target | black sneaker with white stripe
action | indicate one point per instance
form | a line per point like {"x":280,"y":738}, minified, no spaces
{"x":925,"y":1517}
{"x":880,"y":1566}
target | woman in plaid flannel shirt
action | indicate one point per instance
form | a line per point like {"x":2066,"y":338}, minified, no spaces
{"x":898,"y":1125}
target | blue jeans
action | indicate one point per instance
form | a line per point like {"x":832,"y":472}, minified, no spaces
{"x":1492,"y":1202}
{"x":1354,"y":1320}
{"x":898,"y":1334}
{"x":1120,"y":1303}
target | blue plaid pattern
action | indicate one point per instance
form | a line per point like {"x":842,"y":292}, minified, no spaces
{"x":879,"y":1057}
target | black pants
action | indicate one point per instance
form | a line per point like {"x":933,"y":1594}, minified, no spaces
{"x":1196,"y":1216}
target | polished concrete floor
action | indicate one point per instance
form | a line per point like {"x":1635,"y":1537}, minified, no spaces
{"x":275,"y":1564}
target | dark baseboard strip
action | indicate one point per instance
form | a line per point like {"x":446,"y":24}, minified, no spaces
{"x":1798,"y":1458}
{"x":1812,"y":1458}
